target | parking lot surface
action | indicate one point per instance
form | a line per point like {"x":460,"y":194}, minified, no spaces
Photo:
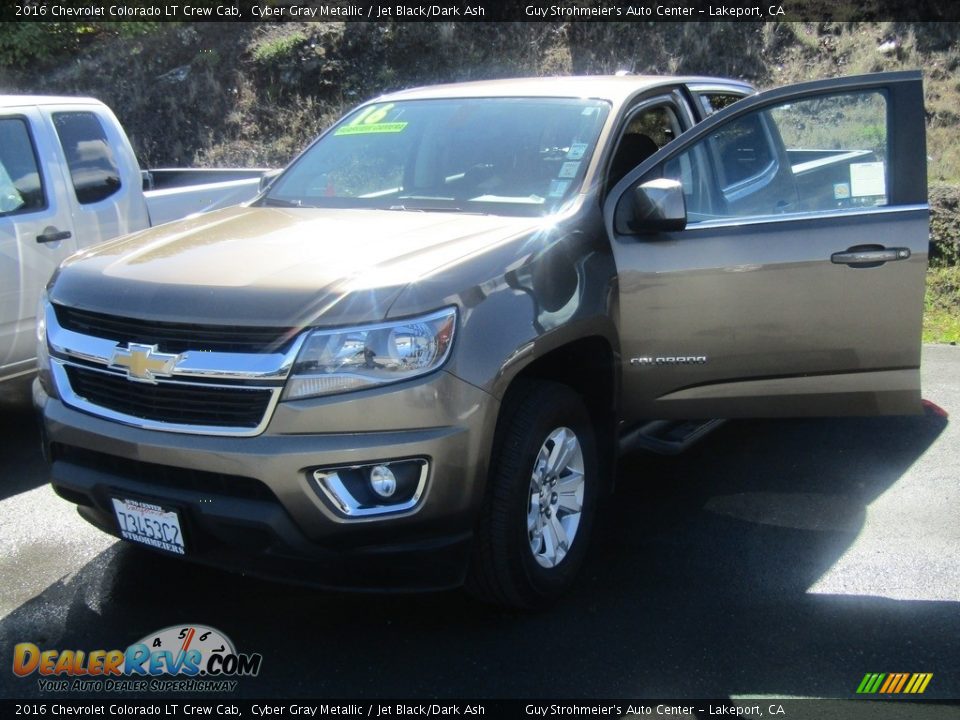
{"x":776,"y":558}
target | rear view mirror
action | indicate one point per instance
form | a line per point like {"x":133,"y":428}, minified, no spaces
{"x":654,"y":206}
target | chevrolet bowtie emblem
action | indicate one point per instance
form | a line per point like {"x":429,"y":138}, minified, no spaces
{"x":143,"y":363}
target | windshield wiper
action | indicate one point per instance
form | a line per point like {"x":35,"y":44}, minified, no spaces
{"x":433,"y":209}
{"x":423,"y":208}
{"x":278,"y":202}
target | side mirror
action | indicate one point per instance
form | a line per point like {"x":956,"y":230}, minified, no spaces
{"x":146,"y":180}
{"x":655,"y":206}
{"x":267,"y":178}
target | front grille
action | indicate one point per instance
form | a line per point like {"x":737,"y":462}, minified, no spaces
{"x":176,"y":337}
{"x":171,"y":402}
{"x":163,"y":475}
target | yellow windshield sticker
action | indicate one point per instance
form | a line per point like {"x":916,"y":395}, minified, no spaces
{"x":363,"y":115}
{"x":392,"y":127}
{"x":374,"y":118}
{"x":372,"y":115}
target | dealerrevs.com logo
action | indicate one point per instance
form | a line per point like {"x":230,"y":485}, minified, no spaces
{"x":185,"y":658}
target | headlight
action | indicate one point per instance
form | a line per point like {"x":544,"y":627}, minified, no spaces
{"x":43,"y":353}
{"x":333,"y":361}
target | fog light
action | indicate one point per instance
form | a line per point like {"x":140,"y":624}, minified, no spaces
{"x":383,"y":481}
{"x":377,"y":488}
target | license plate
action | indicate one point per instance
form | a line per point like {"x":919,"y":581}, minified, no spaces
{"x":149,"y":524}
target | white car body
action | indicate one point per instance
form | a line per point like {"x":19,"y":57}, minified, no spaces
{"x":44,"y":219}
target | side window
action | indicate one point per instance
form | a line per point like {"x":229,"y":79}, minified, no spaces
{"x":744,"y":151}
{"x":646,"y":132}
{"x":21,"y":189}
{"x":837,"y":149}
{"x":822,"y":154}
{"x":691,"y":169}
{"x":715,"y":102}
{"x":93,"y":170}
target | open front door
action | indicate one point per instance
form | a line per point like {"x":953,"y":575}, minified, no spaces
{"x":796,"y":285}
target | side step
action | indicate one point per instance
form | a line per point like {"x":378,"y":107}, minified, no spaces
{"x":667,"y":437}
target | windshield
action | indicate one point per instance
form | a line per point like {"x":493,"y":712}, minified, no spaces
{"x":513,"y":156}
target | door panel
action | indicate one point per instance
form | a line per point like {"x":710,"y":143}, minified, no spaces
{"x":33,"y":214}
{"x":102,"y":173}
{"x":744,"y":313}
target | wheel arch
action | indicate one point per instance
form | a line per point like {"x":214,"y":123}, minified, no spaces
{"x":589,"y":366}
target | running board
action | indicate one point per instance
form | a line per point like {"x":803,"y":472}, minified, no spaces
{"x":667,"y":437}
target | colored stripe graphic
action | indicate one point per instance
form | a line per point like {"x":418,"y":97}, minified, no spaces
{"x":870,"y":683}
{"x":892,"y":679}
{"x":899,"y":686}
{"x":918,"y":683}
{"x":894,"y":683}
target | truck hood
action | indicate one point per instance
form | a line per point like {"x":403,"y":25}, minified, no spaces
{"x":275,"y":266}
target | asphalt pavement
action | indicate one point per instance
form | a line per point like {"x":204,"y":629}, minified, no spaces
{"x":776,"y":558}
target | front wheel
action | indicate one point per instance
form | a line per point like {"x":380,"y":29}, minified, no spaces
{"x":536,"y":520}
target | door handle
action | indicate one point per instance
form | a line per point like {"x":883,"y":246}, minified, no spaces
{"x":51,"y":234}
{"x":869,"y":256}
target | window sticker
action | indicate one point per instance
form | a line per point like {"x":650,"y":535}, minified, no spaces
{"x":558,"y":188}
{"x":373,"y":114}
{"x":364,"y":129}
{"x":370,"y":121}
{"x":363,"y":115}
{"x":867,"y":179}
{"x":569,"y":170}
{"x":576,"y":151}
{"x":841,"y":191}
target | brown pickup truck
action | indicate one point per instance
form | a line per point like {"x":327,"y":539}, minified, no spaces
{"x":413,"y":360}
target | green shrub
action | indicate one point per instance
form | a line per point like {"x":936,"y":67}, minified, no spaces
{"x":276,"y":49}
{"x":24,"y":44}
{"x":941,"y":316}
{"x":944,"y":225}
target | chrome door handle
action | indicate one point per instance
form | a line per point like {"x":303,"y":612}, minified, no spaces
{"x":869,"y":256}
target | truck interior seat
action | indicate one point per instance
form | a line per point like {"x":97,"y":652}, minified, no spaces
{"x":633,"y":149}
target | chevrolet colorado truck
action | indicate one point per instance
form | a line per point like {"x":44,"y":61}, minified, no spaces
{"x":68,"y":180}
{"x":412,"y":361}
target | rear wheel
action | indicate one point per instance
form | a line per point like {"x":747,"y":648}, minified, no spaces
{"x":537,"y":517}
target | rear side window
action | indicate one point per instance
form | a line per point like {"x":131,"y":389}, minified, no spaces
{"x":715,"y":102}
{"x":21,"y":188}
{"x":93,"y":170}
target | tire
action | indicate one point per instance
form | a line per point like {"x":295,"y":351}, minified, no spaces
{"x":519,"y":557}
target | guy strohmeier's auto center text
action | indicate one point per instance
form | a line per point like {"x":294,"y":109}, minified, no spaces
{"x":664,"y":12}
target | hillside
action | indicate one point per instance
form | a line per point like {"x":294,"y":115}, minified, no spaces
{"x":254,"y":94}
{"x":195,"y":94}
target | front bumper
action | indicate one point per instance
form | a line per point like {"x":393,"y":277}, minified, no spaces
{"x":251,"y":504}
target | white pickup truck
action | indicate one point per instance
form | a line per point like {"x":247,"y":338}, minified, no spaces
{"x":69,"y":179}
